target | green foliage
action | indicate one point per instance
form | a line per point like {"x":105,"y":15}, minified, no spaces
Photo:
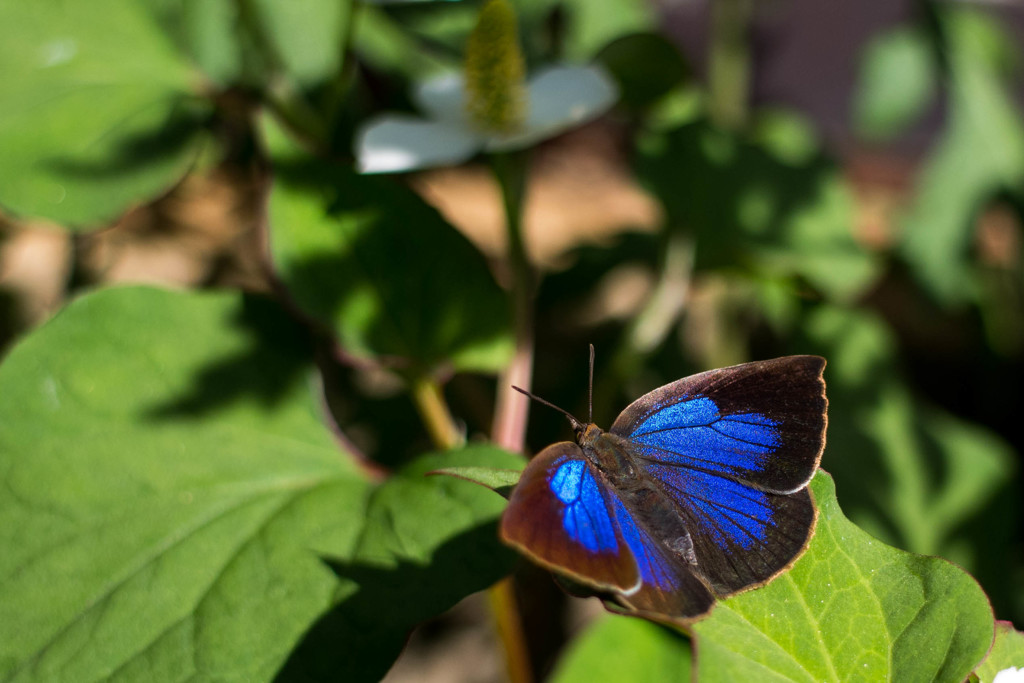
{"x":851,"y":609}
{"x":618,"y":649}
{"x":99,"y":109}
{"x":185,"y":492}
{"x":1007,"y":652}
{"x":980,"y":155}
{"x":759,"y":204}
{"x":334,"y":233}
{"x":898,"y":82}
{"x":168,"y":494}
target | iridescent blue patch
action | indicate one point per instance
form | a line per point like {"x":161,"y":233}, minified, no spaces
{"x":693,"y":433}
{"x":585,"y":518}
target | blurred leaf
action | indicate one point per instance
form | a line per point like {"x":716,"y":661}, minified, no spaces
{"x":391,"y":46}
{"x":368,"y":258}
{"x":850,"y":609}
{"x":1007,"y":651}
{"x":308,"y":35}
{"x":980,"y":154}
{"x":210,"y":33}
{"x":897,"y":83}
{"x":621,"y":649}
{"x":500,"y":481}
{"x":646,"y":67}
{"x":428,"y":542}
{"x":593,"y":24}
{"x":169,"y":485}
{"x":96,"y":109}
{"x":749,"y":205}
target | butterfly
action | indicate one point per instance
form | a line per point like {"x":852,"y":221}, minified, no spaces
{"x":698,"y":491}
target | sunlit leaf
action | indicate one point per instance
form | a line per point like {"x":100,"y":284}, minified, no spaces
{"x":499,"y":480}
{"x":851,"y":609}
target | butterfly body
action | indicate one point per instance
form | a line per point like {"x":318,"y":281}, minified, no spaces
{"x":697,"y":491}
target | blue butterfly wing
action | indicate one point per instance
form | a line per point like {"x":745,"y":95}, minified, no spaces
{"x":669,"y":589}
{"x":562,"y":513}
{"x":734,"y":449}
{"x":566,"y":515}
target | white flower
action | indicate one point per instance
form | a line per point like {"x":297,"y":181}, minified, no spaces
{"x":557,"y":99}
{"x":1011,"y":675}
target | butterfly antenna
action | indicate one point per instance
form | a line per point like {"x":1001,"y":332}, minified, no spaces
{"x":576,"y":424}
{"x":590,"y":388}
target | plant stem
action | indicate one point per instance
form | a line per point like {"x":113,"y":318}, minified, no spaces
{"x":502,"y":598}
{"x":511,"y":409}
{"x":729,"y":62}
{"x":433,"y":409}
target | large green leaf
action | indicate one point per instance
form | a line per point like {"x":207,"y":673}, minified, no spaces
{"x":96,"y":111}
{"x":169,"y":487}
{"x":851,"y":609}
{"x":428,"y":542}
{"x":980,"y":155}
{"x":368,"y":258}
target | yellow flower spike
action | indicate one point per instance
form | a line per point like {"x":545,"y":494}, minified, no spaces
{"x":495,"y":81}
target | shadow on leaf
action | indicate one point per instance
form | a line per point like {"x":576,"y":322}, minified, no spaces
{"x":130,"y":153}
{"x":361,"y":637}
{"x":278,"y":354}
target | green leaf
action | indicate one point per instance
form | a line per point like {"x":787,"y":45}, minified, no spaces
{"x":617,"y":649}
{"x":368,"y":258}
{"x":209,"y":33}
{"x":96,"y":109}
{"x":897,"y":83}
{"x":980,"y":155}
{"x":169,"y":487}
{"x":428,"y":542}
{"x":1007,"y":651}
{"x":501,"y":481}
{"x":850,"y":609}
{"x":308,"y":35}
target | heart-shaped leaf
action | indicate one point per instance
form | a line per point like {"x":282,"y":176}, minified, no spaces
{"x":850,"y":609}
{"x":169,"y":488}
